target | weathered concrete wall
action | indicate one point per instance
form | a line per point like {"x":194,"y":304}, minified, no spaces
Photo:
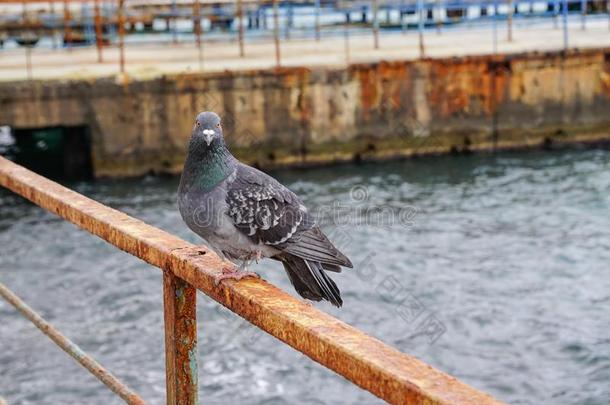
{"x":303,"y":116}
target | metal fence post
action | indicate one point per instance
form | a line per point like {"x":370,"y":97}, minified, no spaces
{"x":583,"y":14}
{"x":98,"y":30}
{"x":180,"y":313}
{"x":67,"y":31}
{"x":276,"y":34}
{"x":240,"y":16}
{"x":375,"y":24}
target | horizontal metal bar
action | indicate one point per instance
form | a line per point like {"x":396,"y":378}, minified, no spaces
{"x":72,"y":349}
{"x":366,"y":361}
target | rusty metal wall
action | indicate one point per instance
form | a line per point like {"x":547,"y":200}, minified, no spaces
{"x":300,"y":116}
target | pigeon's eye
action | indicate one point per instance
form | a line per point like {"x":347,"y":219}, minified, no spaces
{"x":218,"y":125}
{"x":197,"y":123}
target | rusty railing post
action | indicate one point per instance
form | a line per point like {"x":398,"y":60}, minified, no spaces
{"x":198,"y":29}
{"x":180,"y":313}
{"x":121,"y":23}
{"x":375,"y":9}
{"x":276,"y":34}
{"x":67,"y":31}
{"x":240,"y":16}
{"x":98,"y":30}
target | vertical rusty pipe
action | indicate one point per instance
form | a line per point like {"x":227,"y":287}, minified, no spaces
{"x":511,"y":9}
{"x":121,"y":22}
{"x":180,"y":313}
{"x":374,"y":11}
{"x":67,"y":30}
{"x":98,"y":30}
{"x":240,"y":16}
{"x":276,"y":34}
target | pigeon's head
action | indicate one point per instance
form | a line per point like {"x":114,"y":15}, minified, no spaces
{"x":207,"y":127}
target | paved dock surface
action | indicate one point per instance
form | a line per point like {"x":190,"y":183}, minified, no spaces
{"x":150,"y":60}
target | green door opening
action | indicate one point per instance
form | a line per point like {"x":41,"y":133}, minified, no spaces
{"x":55,"y":152}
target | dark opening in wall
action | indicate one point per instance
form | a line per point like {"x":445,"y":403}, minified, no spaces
{"x":55,"y":152}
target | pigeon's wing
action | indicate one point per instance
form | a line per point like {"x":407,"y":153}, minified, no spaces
{"x":270,"y":213}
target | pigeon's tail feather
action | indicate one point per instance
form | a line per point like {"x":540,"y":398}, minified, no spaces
{"x":310,"y":280}
{"x":331,"y":267}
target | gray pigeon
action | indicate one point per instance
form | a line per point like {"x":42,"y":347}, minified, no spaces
{"x":244,"y":215}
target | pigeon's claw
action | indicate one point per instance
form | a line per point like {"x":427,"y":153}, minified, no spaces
{"x":258,"y":255}
{"x":231,"y":273}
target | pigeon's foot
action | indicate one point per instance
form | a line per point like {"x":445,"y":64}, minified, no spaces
{"x":231,"y":273}
{"x":258,"y":255}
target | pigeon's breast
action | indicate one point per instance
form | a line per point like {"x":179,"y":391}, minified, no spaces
{"x":201,"y":210}
{"x":206,"y":214}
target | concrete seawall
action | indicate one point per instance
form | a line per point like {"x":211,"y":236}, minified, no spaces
{"x":300,"y":116}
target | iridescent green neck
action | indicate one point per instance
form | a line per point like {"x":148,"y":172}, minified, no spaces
{"x":207,"y":166}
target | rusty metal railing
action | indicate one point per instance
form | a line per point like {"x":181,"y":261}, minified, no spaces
{"x":364,"y":360}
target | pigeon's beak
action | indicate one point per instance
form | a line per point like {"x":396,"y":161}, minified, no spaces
{"x":208,"y":135}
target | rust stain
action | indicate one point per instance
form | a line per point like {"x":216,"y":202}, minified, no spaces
{"x":460,"y":88}
{"x":368,"y":90}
